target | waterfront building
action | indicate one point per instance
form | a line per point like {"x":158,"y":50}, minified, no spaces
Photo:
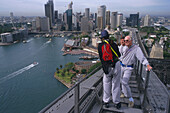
{"x":49,"y":12}
{"x":85,"y":24}
{"x":6,"y":37}
{"x":147,"y":20}
{"x":83,"y":65}
{"x":113,"y":20}
{"x":87,"y":13}
{"x":34,"y":25}
{"x":101,"y":15}
{"x":107,"y":17}
{"x":95,"y":41}
{"x":37,"y":23}
{"x":68,"y":19}
{"x":44,"y":24}
{"x":119,"y":19}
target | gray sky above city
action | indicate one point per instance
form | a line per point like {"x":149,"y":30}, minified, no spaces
{"x":36,"y":7}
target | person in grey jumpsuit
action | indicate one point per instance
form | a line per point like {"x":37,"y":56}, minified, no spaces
{"x":127,"y":60}
{"x":111,"y":78}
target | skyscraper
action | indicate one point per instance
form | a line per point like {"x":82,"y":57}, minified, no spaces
{"x":113,"y":20}
{"x":12,"y":16}
{"x":107,"y":17}
{"x":119,"y":19}
{"x":56,"y":15}
{"x":133,"y":21}
{"x":85,"y":24}
{"x":102,"y":14}
{"x":87,"y":12}
{"x":49,"y":12}
{"x":147,"y":20}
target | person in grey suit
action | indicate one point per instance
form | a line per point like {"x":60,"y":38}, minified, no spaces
{"x":128,"y":60}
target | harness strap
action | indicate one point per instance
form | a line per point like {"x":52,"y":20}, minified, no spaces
{"x":111,"y":48}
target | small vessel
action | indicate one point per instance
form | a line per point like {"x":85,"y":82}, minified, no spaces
{"x":24,"y":41}
{"x":35,"y":63}
{"x":49,"y":40}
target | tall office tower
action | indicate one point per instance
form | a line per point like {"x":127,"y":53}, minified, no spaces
{"x":119,"y":19}
{"x":11,"y":16}
{"x":113,"y":20}
{"x":87,"y":12}
{"x":134,"y":20}
{"x":107,"y":17}
{"x":102,"y":14}
{"x":85,"y":25}
{"x":44,"y":24}
{"x":49,"y":12}
{"x":95,"y":20}
{"x":56,"y":15}
{"x":100,"y":23}
{"x":70,"y":5}
{"x":69,"y":19}
{"x":147,"y":20}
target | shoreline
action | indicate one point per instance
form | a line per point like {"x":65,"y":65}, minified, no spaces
{"x":68,"y":85}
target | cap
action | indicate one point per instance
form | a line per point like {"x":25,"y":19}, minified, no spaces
{"x":104,"y":34}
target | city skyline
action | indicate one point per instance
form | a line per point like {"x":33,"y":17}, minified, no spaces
{"x":36,"y":7}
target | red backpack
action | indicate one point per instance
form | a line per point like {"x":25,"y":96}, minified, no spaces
{"x":107,"y":52}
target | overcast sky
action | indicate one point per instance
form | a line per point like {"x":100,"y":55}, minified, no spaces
{"x":36,"y":7}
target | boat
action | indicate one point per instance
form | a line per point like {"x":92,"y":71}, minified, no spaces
{"x":49,"y":40}
{"x":24,"y":41}
{"x":35,"y":63}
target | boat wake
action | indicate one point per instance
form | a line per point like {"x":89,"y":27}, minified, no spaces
{"x":29,"y":40}
{"x":14,"y":74}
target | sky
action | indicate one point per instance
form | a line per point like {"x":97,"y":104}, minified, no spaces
{"x":36,"y":7}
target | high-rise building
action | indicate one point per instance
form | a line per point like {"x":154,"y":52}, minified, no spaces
{"x":87,"y":13}
{"x":85,"y":25}
{"x":44,"y":24}
{"x":133,"y":20}
{"x":11,"y":16}
{"x":49,"y":12}
{"x":113,"y":20}
{"x":69,"y":19}
{"x":70,"y":5}
{"x":102,"y":14}
{"x":100,"y":23}
{"x":147,"y":20}
{"x":107,"y":17}
{"x":95,"y":20}
{"x":119,"y":19}
{"x":38,"y":23}
{"x":56,"y":15}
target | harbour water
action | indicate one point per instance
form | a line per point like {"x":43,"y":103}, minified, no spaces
{"x":25,"y":85}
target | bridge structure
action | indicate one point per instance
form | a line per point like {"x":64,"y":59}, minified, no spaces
{"x":149,"y":93}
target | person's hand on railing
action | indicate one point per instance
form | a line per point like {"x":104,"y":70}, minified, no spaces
{"x":149,"y":67}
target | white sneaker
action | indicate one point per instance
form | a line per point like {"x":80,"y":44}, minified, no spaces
{"x":131,"y":102}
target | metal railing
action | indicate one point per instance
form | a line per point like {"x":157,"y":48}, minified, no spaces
{"x":75,"y":90}
{"x":156,"y":97}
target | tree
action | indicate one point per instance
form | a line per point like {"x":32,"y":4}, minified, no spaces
{"x":77,"y":71}
{"x":61,"y":66}
{"x":83,"y":71}
{"x":57,"y":70}
{"x":68,"y":70}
